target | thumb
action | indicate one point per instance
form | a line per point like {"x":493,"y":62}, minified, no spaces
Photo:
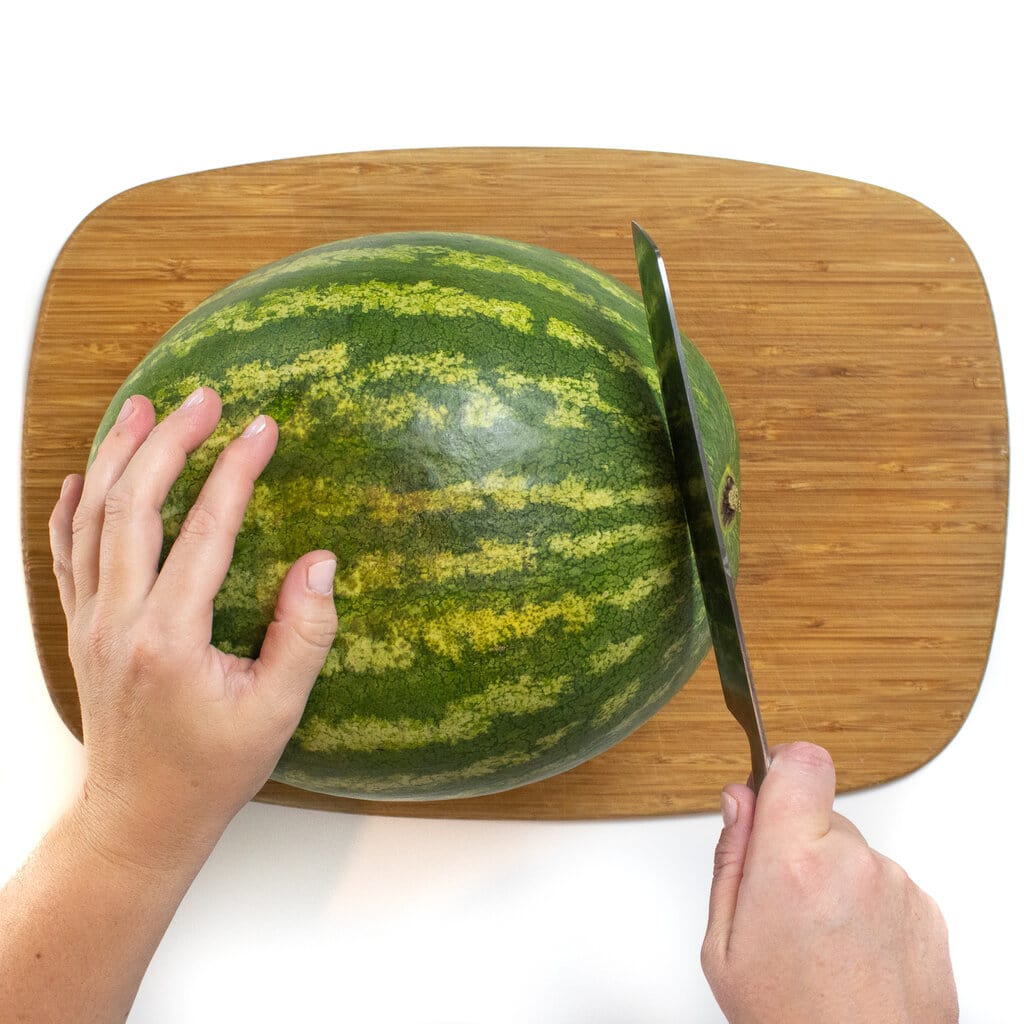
{"x":794,"y":805}
{"x":730,"y":856}
{"x":297,"y":641}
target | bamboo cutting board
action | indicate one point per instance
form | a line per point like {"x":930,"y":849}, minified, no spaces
{"x":852,"y":332}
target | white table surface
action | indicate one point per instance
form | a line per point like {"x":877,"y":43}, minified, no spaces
{"x":312,"y":915}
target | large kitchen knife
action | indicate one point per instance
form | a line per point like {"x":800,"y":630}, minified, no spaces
{"x":698,"y":494}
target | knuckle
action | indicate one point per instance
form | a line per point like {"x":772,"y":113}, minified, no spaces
{"x":869,"y":874}
{"x":58,"y":516}
{"x":806,"y":871}
{"x":316,"y":632}
{"x":809,"y":754}
{"x":816,"y":875}
{"x":236,"y":466}
{"x":147,"y":646}
{"x":705,"y":954}
{"x":895,"y":874}
{"x":119,"y":505}
{"x":298,"y":633}
{"x":62,"y":566}
{"x":727,"y":860}
{"x":709,"y":958}
{"x":201,"y":523}
{"x":83,"y":519}
{"x":234,"y":454}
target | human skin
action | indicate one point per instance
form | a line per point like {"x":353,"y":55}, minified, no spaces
{"x":806,"y":922}
{"x":178,"y":735}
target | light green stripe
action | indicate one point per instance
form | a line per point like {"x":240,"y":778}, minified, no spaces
{"x":617,"y":703}
{"x":326,"y":498}
{"x":424,"y":298}
{"x":491,"y":264}
{"x":605,"y":281}
{"x":599,"y":542}
{"x":562,"y":330}
{"x":614,"y":654}
{"x":461,"y":630}
{"x":463,"y":719}
{"x":320,"y":259}
{"x":326,"y":374}
{"x":418,"y":299}
{"x":391,"y":570}
{"x":476,"y":262}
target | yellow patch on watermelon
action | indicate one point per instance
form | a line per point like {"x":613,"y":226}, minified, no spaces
{"x":485,"y":629}
{"x":599,"y":542}
{"x":373,"y":571}
{"x":641,"y":588}
{"x":614,"y":654}
{"x":490,"y":557}
{"x":421,"y":298}
{"x":365,"y":654}
{"x":576,"y":337}
{"x":463,"y":719}
{"x":615,"y":704}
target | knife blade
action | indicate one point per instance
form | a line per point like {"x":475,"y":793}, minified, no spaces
{"x":698,"y":496}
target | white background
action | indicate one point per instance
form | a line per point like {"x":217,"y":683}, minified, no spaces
{"x":307,"y":915}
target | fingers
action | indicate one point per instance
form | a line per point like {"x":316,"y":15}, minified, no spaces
{"x":730,"y":856}
{"x":60,"y":540}
{"x":794,"y":805}
{"x":132,"y":527}
{"x":133,"y":425}
{"x":107,"y":534}
{"x":194,"y":570}
{"x":297,"y":641}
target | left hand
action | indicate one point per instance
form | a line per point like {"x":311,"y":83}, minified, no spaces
{"x":178,"y":734}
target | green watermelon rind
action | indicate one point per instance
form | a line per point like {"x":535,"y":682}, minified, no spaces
{"x":474,"y":427}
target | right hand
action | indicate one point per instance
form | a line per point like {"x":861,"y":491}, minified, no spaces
{"x":807,"y":923}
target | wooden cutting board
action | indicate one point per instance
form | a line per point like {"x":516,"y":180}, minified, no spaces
{"x":852,"y":332}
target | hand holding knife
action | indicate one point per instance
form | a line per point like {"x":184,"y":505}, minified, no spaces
{"x":750,"y":908}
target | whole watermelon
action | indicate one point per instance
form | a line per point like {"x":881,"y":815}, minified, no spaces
{"x":474,"y":426}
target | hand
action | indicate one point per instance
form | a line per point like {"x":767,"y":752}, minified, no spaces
{"x":807,"y":923}
{"x":178,"y":735}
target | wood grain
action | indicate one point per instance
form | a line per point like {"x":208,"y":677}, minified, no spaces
{"x":852,"y":332}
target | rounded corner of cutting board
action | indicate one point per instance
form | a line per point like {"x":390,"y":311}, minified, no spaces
{"x":842,"y":318}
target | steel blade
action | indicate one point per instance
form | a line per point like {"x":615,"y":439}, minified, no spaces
{"x":699,"y":502}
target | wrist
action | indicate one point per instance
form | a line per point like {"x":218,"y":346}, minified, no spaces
{"x":140,"y":838}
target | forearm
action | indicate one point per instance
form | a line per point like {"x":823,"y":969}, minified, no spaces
{"x":81,"y":920}
{"x":179,"y":735}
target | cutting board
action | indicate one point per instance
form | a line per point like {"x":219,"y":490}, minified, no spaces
{"x":852,"y":332}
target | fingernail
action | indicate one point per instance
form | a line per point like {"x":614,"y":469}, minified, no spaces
{"x":126,"y":411}
{"x":257,"y":426}
{"x":64,"y":486}
{"x":730,"y":809}
{"x":320,"y":576}
{"x":194,"y":399}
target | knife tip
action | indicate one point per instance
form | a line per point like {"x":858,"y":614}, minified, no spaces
{"x":642,"y":241}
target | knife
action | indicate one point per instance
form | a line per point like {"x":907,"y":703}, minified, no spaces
{"x":698,"y":494}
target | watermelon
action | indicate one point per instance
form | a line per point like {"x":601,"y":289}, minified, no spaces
{"x":474,"y":426}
